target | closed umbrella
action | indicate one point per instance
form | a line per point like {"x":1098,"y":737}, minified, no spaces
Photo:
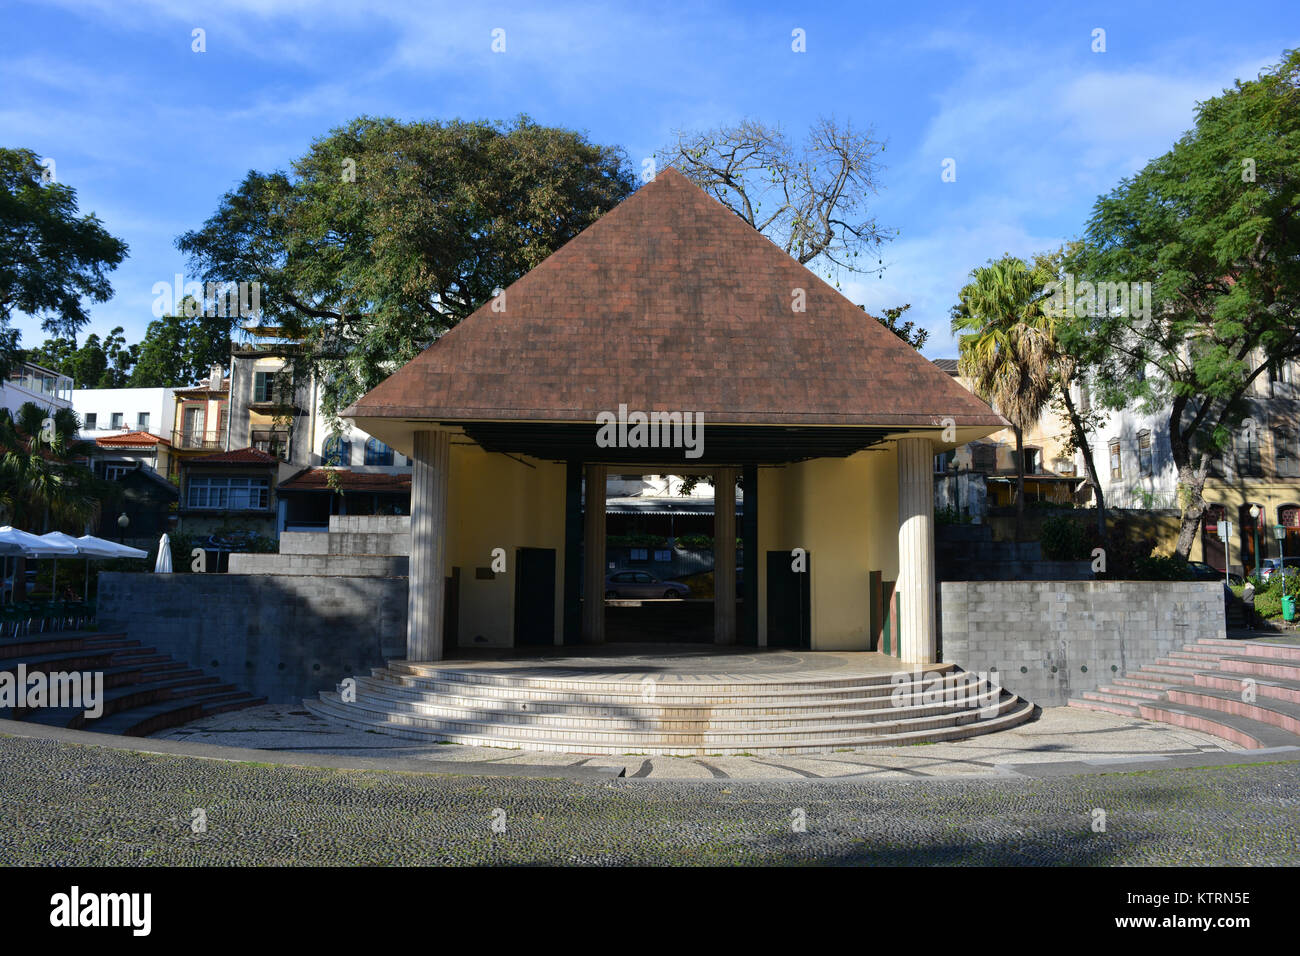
{"x":164,"y":563}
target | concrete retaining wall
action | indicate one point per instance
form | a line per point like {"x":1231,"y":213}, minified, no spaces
{"x":1051,"y":640}
{"x":279,"y":637}
{"x":346,"y":565}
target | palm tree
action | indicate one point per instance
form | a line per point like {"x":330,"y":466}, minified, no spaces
{"x":1006,"y":349}
{"x":44,"y":483}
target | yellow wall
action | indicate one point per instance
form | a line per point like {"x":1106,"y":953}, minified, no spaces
{"x":844,"y":513}
{"x":498,"y":502}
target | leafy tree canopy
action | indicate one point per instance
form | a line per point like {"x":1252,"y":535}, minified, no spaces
{"x":52,"y":260}
{"x":1211,"y":226}
{"x":386,"y":234}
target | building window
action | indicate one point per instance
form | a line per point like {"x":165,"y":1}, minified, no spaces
{"x":337,"y":451}
{"x":1144,"y":454}
{"x":984,"y":458}
{"x":116,"y":469}
{"x":263,"y":386}
{"x":116,"y":420}
{"x":943,"y":460}
{"x":1031,"y":460}
{"x":1284,"y":453}
{"x":377,"y":453}
{"x":92,"y":419}
{"x":142,"y":422}
{"x":274,"y":442}
{"x":1247,"y":447}
{"x":1116,"y":472}
{"x":228,"y":494}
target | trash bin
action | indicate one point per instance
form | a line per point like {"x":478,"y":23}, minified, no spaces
{"x":1288,"y":607}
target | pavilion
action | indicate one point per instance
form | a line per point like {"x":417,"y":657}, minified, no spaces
{"x":671,"y":303}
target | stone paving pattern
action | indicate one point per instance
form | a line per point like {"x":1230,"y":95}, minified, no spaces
{"x":1060,"y":734}
{"x":64,"y":804}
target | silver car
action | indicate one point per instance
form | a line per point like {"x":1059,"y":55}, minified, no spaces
{"x":641,"y":584}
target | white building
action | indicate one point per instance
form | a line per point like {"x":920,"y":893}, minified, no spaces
{"x":116,"y":411}
{"x":33,"y":383}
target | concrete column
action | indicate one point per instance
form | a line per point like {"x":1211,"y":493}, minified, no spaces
{"x":916,"y":591}
{"x":427,"y":589}
{"x":593,"y":547}
{"x":724,"y":556}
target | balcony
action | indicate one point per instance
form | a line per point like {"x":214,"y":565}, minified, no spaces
{"x":43,"y":383}
{"x":195,"y":440}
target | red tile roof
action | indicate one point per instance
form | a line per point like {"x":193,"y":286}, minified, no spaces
{"x":241,"y":456}
{"x":316,"y":479}
{"x":131,"y":440}
{"x":671,"y":302}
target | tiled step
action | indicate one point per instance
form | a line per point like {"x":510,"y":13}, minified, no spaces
{"x":151,"y":718}
{"x":1200,"y":688}
{"x":1277,"y":713}
{"x":626,"y":693}
{"x":144,"y":691}
{"x":1110,"y":707}
{"x":915,"y":730}
{"x":1287,"y":652}
{"x":574,"y":711}
{"x":587,"y":716}
{"x":1281,"y":690}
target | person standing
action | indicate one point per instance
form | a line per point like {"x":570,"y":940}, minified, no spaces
{"x":1248,"y":604}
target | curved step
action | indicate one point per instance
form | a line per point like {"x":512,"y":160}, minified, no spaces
{"x":1012,"y":713}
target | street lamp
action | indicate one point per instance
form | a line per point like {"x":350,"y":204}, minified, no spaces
{"x":122,"y":523}
{"x":1254,"y":519}
{"x":1279,"y":532}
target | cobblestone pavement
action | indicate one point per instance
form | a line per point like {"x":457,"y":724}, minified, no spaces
{"x":1061,"y":733}
{"x":65,"y":804}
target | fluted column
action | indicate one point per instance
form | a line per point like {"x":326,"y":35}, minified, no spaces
{"x":426,"y":593}
{"x":916,"y":550}
{"x":724,"y":556}
{"x":593,"y":547}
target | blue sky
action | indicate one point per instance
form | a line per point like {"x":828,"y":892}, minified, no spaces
{"x":151,"y":133}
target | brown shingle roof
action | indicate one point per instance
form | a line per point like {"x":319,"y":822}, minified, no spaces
{"x":240,"y":456}
{"x":672,"y":302}
{"x":316,"y":479}
{"x":131,"y":440}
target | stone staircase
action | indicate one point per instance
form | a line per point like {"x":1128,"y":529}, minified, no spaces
{"x":144,"y":691}
{"x":696,"y":717}
{"x":1202,"y":687}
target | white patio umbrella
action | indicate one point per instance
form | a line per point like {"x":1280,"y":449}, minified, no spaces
{"x":91,"y":547}
{"x":36,"y":546}
{"x":164,"y":563}
{"x":59,"y":540}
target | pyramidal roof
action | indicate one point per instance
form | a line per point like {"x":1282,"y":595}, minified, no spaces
{"x":671,"y":302}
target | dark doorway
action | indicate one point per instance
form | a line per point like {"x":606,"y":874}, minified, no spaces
{"x":789,"y":601}
{"x":534,"y":596}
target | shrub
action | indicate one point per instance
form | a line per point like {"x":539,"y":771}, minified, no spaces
{"x":1063,"y":539}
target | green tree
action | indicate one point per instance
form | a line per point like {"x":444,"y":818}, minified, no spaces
{"x":1005,"y":349}
{"x":51,"y":258}
{"x":44,"y":485}
{"x":95,"y":364}
{"x":911,"y":333}
{"x":1211,"y":225}
{"x":386,"y":234}
{"x":179,"y":350}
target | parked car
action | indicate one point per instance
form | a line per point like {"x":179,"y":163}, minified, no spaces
{"x":1270,"y":565}
{"x":1205,"y":572}
{"x":642,"y":584}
